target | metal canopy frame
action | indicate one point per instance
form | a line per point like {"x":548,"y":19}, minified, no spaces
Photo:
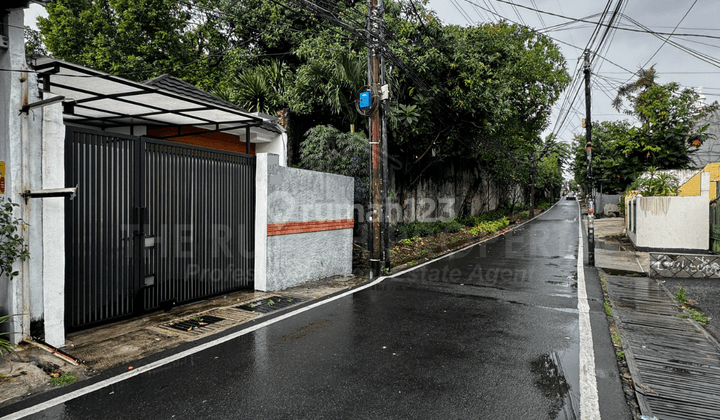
{"x":105,"y":101}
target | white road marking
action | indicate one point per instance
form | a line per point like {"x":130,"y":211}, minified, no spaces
{"x":589,"y":404}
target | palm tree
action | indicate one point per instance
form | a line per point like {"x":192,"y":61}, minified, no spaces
{"x":334,"y":83}
{"x":260,"y":89}
{"x":646,"y":79}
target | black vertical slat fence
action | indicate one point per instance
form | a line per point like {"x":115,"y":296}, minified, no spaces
{"x":196,"y":221}
{"x":98,"y":236}
{"x":197,"y":206}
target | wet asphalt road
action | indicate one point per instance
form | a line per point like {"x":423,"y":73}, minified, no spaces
{"x":489,"y":332}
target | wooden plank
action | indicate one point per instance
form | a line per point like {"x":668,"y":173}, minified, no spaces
{"x":674,"y":364}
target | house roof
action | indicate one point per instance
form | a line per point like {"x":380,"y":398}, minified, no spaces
{"x":102,"y":100}
{"x":181,"y":87}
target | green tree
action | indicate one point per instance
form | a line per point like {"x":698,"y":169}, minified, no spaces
{"x":259,"y":89}
{"x":330,"y":82}
{"x":141,"y":39}
{"x":612,"y":169}
{"x":474,"y":94}
{"x":646,"y":79}
{"x":667,"y":122}
{"x":33,"y":42}
{"x":549,"y":172}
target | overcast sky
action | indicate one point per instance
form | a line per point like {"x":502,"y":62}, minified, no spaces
{"x":625,"y":51}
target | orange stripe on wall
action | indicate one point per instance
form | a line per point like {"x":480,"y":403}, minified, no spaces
{"x":306,"y":227}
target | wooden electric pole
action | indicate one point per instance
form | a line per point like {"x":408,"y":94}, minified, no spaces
{"x":588,"y":150}
{"x":374,"y":75}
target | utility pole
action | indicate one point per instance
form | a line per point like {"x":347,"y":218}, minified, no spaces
{"x":385,"y":177}
{"x":588,"y":150}
{"x":374,"y":75}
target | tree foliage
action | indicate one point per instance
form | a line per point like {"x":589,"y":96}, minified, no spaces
{"x":470,"y":93}
{"x":33,"y":42}
{"x":13,"y":247}
{"x":667,"y":121}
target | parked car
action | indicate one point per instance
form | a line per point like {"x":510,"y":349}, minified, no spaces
{"x":570,"y":196}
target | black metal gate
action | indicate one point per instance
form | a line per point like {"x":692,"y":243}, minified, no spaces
{"x":154,"y":223}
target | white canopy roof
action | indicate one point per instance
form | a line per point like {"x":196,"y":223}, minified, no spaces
{"x":105,"y":101}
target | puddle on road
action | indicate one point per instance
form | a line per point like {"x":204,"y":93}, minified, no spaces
{"x":551,"y":381}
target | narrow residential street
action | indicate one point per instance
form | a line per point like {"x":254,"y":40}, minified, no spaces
{"x":491,"y":331}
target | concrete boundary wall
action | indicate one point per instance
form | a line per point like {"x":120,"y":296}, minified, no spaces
{"x":675,"y":224}
{"x":303,"y":225}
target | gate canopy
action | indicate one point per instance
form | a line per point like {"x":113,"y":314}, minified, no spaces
{"x":101,"y":100}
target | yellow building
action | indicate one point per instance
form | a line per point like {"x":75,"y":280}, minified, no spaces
{"x":692,"y":186}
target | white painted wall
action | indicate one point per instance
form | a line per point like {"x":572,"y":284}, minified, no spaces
{"x":295,"y":195}
{"x":12,"y":298}
{"x":261,"y":217}
{"x":53,"y":222}
{"x":276,"y":146}
{"x":662,"y":223}
{"x":32,"y":147}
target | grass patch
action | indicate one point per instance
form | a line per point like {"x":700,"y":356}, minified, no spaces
{"x":64,"y":379}
{"x":681,"y":295}
{"x":616,"y":337}
{"x":697,"y":315}
{"x":620,"y":355}
{"x":608,"y":310}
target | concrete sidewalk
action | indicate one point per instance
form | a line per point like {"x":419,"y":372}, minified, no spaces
{"x":28,"y":371}
{"x":673,"y":360}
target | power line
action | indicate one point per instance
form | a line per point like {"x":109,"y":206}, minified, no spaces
{"x":697,"y":54}
{"x":645,"y":30}
{"x":668,"y":38}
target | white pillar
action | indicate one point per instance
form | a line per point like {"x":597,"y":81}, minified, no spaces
{"x":53,"y":176}
{"x":261,"y":192}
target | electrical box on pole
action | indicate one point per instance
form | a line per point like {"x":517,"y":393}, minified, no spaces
{"x":365,"y":100}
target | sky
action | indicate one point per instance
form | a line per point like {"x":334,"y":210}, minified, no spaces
{"x":621,"y":55}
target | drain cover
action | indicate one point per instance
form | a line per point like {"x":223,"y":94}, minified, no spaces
{"x":270,"y":304}
{"x":195,"y":323}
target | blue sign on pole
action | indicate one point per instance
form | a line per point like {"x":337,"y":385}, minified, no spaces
{"x":365,"y":100}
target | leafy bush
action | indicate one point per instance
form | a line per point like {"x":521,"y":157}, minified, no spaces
{"x":12,"y":244}
{"x":489,"y":227}
{"x":453,"y":226}
{"x":411,"y":241}
{"x":420,"y":229}
{"x":655,"y":184}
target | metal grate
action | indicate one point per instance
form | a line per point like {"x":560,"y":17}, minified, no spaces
{"x":270,"y":304}
{"x":195,"y":323}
